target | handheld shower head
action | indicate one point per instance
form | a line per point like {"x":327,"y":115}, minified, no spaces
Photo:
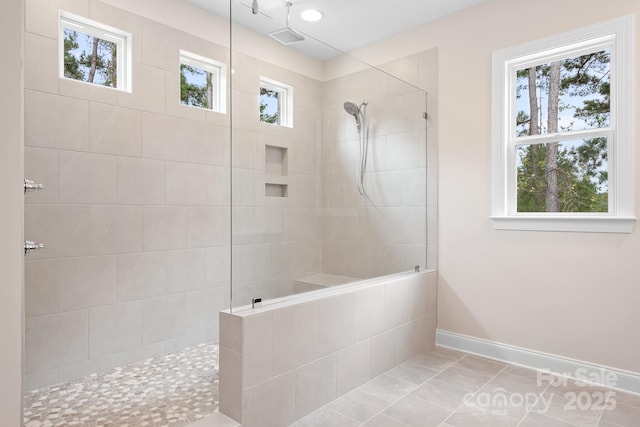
{"x":354,"y":110}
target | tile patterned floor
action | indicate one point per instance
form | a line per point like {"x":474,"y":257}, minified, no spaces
{"x":173,"y":390}
{"x":441,"y":388}
{"x":450,"y":389}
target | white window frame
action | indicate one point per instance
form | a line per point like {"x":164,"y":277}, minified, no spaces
{"x":285,"y":99}
{"x":121,"y":38}
{"x":616,"y":35}
{"x":219,"y":71}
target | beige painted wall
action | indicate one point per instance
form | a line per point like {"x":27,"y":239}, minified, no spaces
{"x":584,"y":305}
{"x":11,"y":212}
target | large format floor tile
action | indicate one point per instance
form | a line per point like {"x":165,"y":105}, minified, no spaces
{"x":447,"y":388}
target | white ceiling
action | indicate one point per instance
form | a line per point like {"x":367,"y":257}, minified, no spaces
{"x":347,"y":24}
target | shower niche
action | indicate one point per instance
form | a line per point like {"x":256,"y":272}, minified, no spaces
{"x":276,"y":171}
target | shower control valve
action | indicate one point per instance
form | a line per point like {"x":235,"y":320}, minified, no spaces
{"x":32,"y":246}
{"x":30,"y":186}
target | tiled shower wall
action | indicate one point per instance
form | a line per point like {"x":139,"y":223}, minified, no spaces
{"x":275,"y":239}
{"x":389,"y":230}
{"x":135,"y":213}
{"x":136,"y":205}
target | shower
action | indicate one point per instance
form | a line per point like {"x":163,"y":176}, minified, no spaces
{"x":286,"y":35}
{"x":359,"y":112}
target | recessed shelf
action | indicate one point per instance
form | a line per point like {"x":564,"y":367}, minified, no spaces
{"x":275,"y":160}
{"x":275,"y":190}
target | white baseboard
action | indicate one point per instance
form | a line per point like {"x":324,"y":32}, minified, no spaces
{"x":597,"y":374}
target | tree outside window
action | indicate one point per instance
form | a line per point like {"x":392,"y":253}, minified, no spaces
{"x":90,"y":59}
{"x":562,"y":152}
{"x":572,"y":94}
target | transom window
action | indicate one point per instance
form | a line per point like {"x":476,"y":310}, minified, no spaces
{"x":276,"y":102}
{"x":563,"y":132}
{"x":94,"y":53}
{"x":203,"y":82}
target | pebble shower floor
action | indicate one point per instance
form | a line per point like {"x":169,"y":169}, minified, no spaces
{"x":172,"y":390}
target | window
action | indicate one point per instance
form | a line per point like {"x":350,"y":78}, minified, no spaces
{"x":276,"y":103}
{"x":94,"y":53}
{"x":563,"y":132}
{"x":203,"y":82}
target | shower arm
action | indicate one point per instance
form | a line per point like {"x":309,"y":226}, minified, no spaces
{"x":288,"y":5}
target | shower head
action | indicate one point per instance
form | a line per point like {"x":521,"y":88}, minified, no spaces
{"x":354,"y":110}
{"x":287,"y":35}
{"x":351,"y":108}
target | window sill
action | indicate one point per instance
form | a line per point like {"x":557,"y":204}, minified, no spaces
{"x":584,"y":224}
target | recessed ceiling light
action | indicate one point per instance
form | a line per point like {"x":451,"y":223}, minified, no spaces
{"x":311,"y":15}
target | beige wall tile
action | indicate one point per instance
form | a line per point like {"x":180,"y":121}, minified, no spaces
{"x":295,"y":337}
{"x":115,"y":130}
{"x":218,"y":266}
{"x":271,"y":403}
{"x":56,"y":122}
{"x":55,"y":340}
{"x":186,"y":270}
{"x":369,"y":312}
{"x":42,"y":18}
{"x":178,"y":344}
{"x":315,"y":385}
{"x":161,"y":45}
{"x":186,"y":184}
{"x":352,"y":367}
{"x":231,"y":332}
{"x":42,"y":166}
{"x":397,"y":303}
{"x":244,"y":149}
{"x":208,"y":226}
{"x":218,"y":186}
{"x":147,"y":92}
{"x":231,"y":383}
{"x":40,"y":63}
{"x":141,"y":275}
{"x":85,"y":367}
{"x":87,"y":282}
{"x":164,"y":318}
{"x":116,"y":229}
{"x":164,"y":227}
{"x":121,"y":19}
{"x":245,"y":77}
{"x":257,"y":347}
{"x":41,"y":287}
{"x":382,"y":355}
{"x":207,"y":143}
{"x":87,"y":178}
{"x":64,"y":229}
{"x":40,"y":379}
{"x":162,"y":137}
{"x":203,"y":308}
{"x":114,"y":328}
{"x":141,"y":181}
{"x":336,"y":323}
{"x":87,"y":91}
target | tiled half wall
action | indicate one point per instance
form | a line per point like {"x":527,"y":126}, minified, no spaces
{"x":280,"y":362}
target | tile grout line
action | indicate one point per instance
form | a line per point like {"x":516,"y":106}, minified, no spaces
{"x":534,"y":404}
{"x":464,"y":402}
{"x":416,"y":388}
